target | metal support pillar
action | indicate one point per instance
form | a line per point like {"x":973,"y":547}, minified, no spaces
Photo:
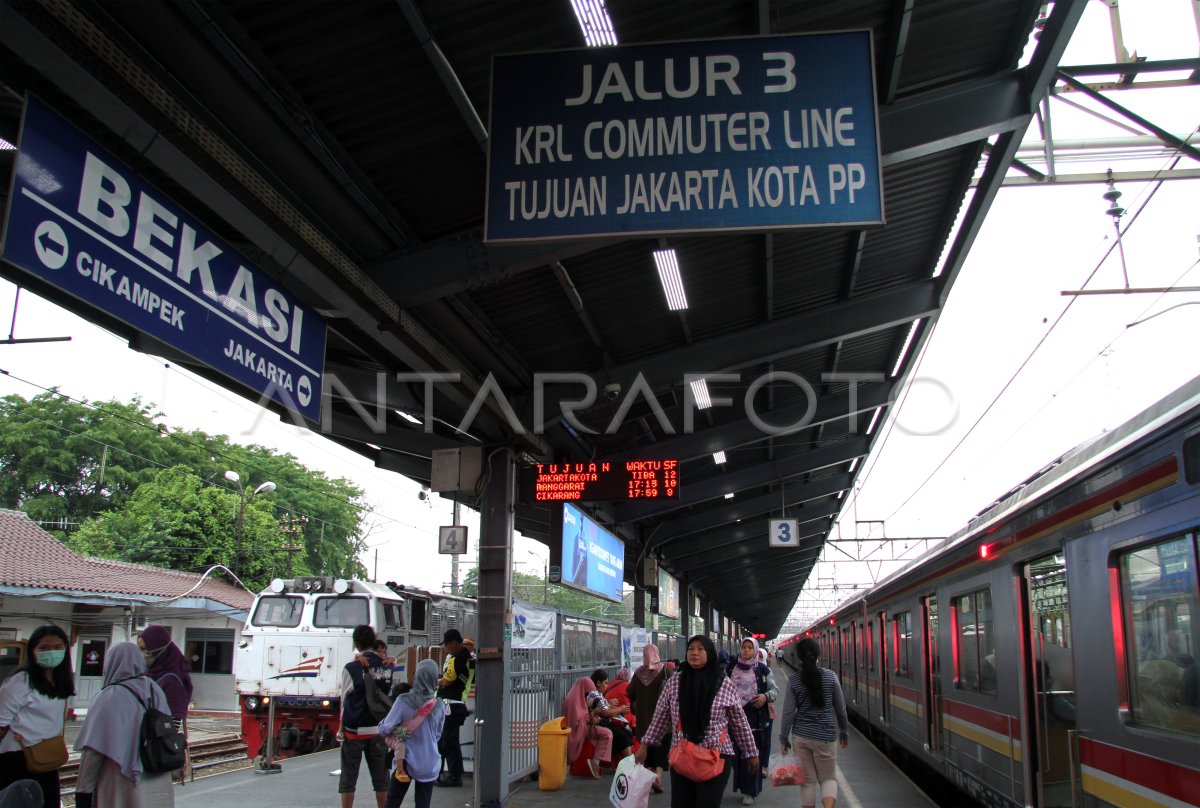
{"x":689,"y":607}
{"x":495,"y":621}
{"x":706,"y":615}
{"x":639,"y":606}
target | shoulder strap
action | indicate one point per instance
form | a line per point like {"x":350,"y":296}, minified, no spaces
{"x":135,"y":695}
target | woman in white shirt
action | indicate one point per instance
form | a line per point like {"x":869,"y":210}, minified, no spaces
{"x":33,"y":706}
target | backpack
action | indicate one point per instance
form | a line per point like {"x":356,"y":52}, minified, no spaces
{"x":162,"y":746}
{"x":379,"y":702}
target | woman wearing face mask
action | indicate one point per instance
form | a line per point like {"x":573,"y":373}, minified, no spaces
{"x":167,"y":666}
{"x":33,"y":706}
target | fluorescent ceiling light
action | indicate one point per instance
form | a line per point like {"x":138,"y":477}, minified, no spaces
{"x":874,"y":420}
{"x":376,"y":448}
{"x":700,"y":393}
{"x":6,"y":146}
{"x":912,"y":330}
{"x":729,"y":495}
{"x":719,"y":457}
{"x":412,"y":419}
{"x":595,"y":23}
{"x":672,"y":283}
{"x":854,"y":464}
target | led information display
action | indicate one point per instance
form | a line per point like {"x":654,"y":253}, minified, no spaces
{"x":86,"y":223}
{"x":587,"y":482}
{"x":727,"y":134}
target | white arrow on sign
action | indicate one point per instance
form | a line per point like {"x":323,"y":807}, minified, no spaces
{"x":51,"y":244}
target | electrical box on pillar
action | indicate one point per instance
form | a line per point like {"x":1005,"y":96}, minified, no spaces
{"x":456,"y":469}
{"x":650,"y":572}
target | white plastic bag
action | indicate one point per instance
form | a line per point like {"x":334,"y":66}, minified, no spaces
{"x":786,"y":769}
{"x":631,"y":785}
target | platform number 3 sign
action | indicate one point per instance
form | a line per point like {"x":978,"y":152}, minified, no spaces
{"x":783,"y":533}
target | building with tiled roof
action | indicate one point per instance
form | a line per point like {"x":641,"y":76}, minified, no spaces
{"x":99,"y":601}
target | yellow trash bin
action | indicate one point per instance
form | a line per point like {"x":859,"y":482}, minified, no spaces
{"x":552,"y":754}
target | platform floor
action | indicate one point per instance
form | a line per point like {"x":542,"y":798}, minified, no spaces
{"x":865,"y":780}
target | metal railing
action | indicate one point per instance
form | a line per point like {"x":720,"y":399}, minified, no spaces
{"x":538,"y":679}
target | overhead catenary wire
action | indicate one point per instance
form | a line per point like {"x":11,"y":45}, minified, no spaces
{"x":1029,"y":357}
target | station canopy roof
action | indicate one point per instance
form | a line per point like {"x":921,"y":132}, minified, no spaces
{"x":343,"y":146}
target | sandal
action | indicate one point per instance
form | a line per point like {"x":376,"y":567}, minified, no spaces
{"x":594,"y":768}
{"x":656,"y":788}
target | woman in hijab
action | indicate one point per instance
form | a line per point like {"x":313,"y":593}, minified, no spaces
{"x":617,"y":693}
{"x":110,"y":770}
{"x":33,"y":706}
{"x":418,"y":716}
{"x":167,"y":666}
{"x":644,"y":691}
{"x":705,"y":704}
{"x":756,"y":690}
{"x":583,"y":725}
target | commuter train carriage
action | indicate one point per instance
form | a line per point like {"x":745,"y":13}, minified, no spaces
{"x":1046,"y":655}
{"x":298,"y":639}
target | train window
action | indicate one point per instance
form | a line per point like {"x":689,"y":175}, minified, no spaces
{"x":902,"y":637}
{"x":418,"y":611}
{"x":1191,"y":460}
{"x":393,"y":615}
{"x":282,"y":611}
{"x":334,"y":612}
{"x":975,"y":652}
{"x":1158,"y":588}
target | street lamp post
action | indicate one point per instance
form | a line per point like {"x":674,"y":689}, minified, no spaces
{"x":264,"y":488}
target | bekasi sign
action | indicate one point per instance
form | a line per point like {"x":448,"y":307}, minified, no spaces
{"x":85,"y":223}
{"x":716,"y":135}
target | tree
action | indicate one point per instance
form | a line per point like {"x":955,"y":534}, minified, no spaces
{"x":177,"y":522}
{"x":64,"y":462}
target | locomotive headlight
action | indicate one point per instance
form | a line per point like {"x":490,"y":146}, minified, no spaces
{"x":324,"y":702}
{"x":266,"y":700}
{"x":252,"y":703}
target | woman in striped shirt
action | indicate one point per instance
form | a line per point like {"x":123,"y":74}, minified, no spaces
{"x":811,"y":705}
{"x":705,"y":706}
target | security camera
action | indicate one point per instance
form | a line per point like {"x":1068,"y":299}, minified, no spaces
{"x":612,"y":391}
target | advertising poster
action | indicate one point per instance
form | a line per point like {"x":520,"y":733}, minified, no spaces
{"x":668,"y":594}
{"x":533,"y":626}
{"x":593,"y":559}
{"x":633,"y":640}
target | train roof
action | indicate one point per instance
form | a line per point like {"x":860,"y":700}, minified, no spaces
{"x":1181,"y":404}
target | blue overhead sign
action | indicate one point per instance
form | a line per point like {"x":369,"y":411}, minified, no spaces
{"x":731,"y":134}
{"x":84,"y":222}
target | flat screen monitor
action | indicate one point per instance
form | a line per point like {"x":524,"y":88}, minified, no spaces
{"x":668,"y":594}
{"x":593,"y":560}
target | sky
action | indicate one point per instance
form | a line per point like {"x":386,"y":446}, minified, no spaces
{"x":1014,"y":375}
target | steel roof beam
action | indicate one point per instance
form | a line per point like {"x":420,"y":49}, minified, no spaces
{"x":732,"y":512}
{"x":742,"y":432}
{"x":687,"y":553}
{"x":727,"y":557}
{"x":786,"y":336}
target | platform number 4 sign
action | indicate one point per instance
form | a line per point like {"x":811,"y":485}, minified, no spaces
{"x":783,"y":533}
{"x":452,"y":539}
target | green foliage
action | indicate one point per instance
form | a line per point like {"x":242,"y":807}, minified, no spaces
{"x":78,"y":463}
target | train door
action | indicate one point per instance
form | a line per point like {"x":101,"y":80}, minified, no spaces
{"x":1051,"y":678}
{"x":856,"y":638}
{"x":884,"y":693}
{"x":418,"y":633}
{"x":933,"y":677}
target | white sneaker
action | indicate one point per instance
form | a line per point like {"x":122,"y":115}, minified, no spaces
{"x":747,"y":800}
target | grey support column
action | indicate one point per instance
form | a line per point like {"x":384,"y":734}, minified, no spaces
{"x":639,"y":606}
{"x":495,"y":606}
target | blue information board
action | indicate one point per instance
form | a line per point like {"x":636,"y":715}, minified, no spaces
{"x":84,"y":222}
{"x":732,"y":134}
{"x":593,"y":560}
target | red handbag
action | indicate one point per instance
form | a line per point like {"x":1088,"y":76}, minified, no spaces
{"x":695,"y":762}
